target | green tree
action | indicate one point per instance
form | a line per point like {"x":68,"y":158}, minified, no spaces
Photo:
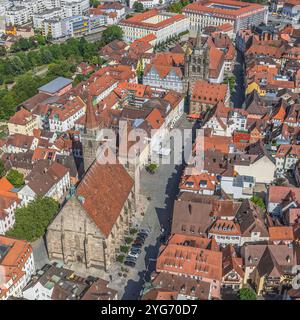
{"x":246,"y":294}
{"x":32,"y":221}
{"x":259,"y":202}
{"x":2,"y":169}
{"x":16,"y":178}
{"x":2,"y":51}
{"x":112,"y":33}
{"x":94,"y":3}
{"x":138,"y":7}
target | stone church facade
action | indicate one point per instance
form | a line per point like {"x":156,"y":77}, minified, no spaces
{"x":89,"y":229}
{"x":197,"y":63}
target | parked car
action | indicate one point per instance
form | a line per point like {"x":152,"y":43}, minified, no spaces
{"x":147,"y":231}
{"x":136,"y":250}
{"x":129,"y":263}
{"x":133,"y":254}
{"x":136,"y":246}
{"x":142,"y":235}
{"x":129,"y":258}
{"x":138,"y":238}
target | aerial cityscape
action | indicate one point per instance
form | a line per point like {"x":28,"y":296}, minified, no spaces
{"x":149,"y":150}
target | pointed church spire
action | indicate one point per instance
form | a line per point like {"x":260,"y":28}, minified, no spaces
{"x":90,"y":116}
{"x":198,"y":39}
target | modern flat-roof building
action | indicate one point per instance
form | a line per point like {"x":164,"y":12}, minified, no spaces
{"x":57,"y":87}
{"x":242,"y":15}
{"x":163,"y":25}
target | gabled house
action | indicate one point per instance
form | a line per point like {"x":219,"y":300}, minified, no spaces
{"x":268,"y":266}
{"x":233,"y":273}
{"x":252,"y":223}
{"x":260,"y":165}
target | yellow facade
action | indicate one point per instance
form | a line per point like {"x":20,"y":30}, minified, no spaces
{"x":254,"y":86}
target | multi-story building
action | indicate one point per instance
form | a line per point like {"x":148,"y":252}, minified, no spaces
{"x":165,"y":72}
{"x":286,"y":158}
{"x":162,"y":24}
{"x":23,"y":122}
{"x":62,"y":118}
{"x":54,"y":282}
{"x":38,"y":19}
{"x":193,"y":257}
{"x":16,"y":266}
{"x":52,"y":28}
{"x":45,"y":180}
{"x":75,"y":26}
{"x":8,"y":203}
{"x":242,"y":15}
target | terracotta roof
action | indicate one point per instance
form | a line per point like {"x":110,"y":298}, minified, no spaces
{"x":266,"y":257}
{"x":20,"y":140}
{"x":155,"y":119}
{"x":216,"y":61}
{"x":44,"y":176}
{"x":105,"y":189}
{"x":209,"y":93}
{"x":139,"y":20}
{"x":198,"y":181}
{"x":13,"y":262}
{"x":190,"y":260}
{"x":231,"y":262}
{"x":100,"y":290}
{"x":276,"y":194}
{"x":281,"y":233}
{"x":205,"y":7}
{"x":225,"y":227}
{"x":286,"y":150}
{"x":21,"y":117}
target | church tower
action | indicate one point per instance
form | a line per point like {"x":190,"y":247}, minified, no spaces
{"x":198,"y":66}
{"x":89,"y":136}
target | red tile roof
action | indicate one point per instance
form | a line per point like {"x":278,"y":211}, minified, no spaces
{"x":105,"y":189}
{"x":209,"y":93}
{"x":281,"y":233}
{"x":191,"y":261}
{"x":138,"y":20}
{"x":203,"y":7}
{"x":21,"y":117}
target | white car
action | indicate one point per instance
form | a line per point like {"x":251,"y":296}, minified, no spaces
{"x":133,"y":254}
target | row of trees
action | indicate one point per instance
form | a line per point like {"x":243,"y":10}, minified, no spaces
{"x":61,"y":60}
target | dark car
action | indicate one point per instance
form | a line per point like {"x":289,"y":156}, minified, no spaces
{"x":130,"y":258}
{"x":136,"y":250}
{"x":142,"y":235}
{"x":136,"y":246}
{"x":140,"y":239}
{"x":129,"y":263}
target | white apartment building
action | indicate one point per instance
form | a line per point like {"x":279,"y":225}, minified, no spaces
{"x":242,"y":15}
{"x":74,"y":7}
{"x":63,"y":119}
{"x":52,"y":28}
{"x":23,"y":11}
{"x":164,"y":25}
{"x":17,"y":16}
{"x":38,"y":19}
{"x":7,"y":213}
